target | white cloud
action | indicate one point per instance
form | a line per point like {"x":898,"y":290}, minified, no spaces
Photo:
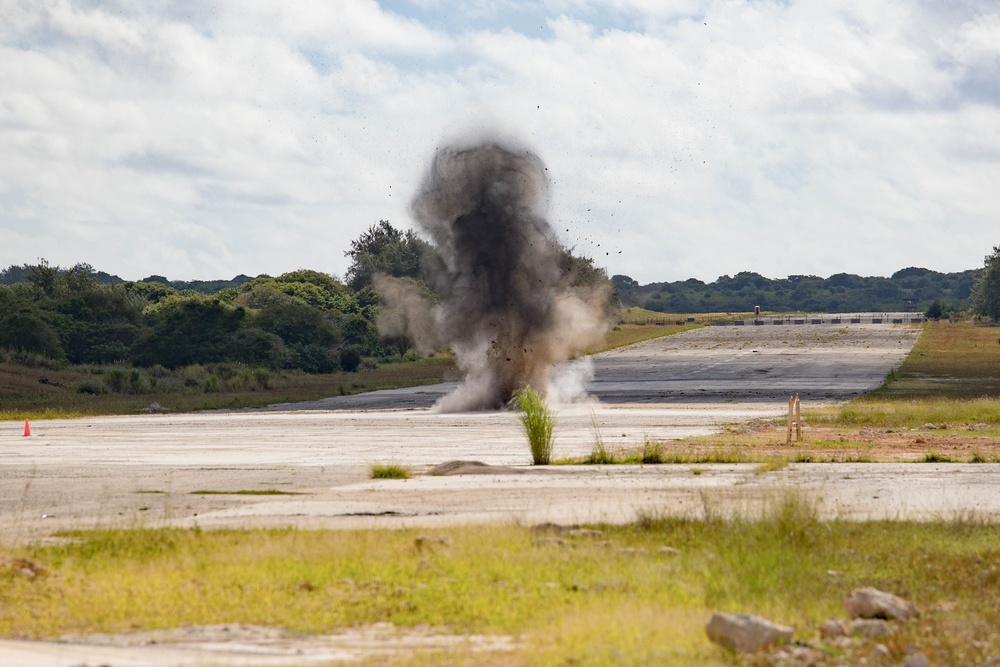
{"x":201,"y":140}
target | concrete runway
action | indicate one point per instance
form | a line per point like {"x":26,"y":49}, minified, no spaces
{"x":145,"y":469}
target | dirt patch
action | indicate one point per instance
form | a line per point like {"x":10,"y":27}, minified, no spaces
{"x":237,"y":644}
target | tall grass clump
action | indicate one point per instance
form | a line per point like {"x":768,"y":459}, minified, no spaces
{"x":600,"y":455}
{"x":538,"y":423}
{"x":389,"y":471}
{"x":652,"y":452}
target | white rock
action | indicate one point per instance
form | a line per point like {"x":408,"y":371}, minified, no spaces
{"x":916,"y":660}
{"x":746,"y":634}
{"x":873,"y":603}
{"x":832,"y":628}
{"x":872,"y":628}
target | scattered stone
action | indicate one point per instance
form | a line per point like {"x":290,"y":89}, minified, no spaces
{"x":873,"y":603}
{"x":668,"y":550}
{"x":745,"y":633}
{"x":550,"y":541}
{"x":23,"y":567}
{"x":547,"y":528}
{"x":832,"y":628}
{"x":881,"y":651}
{"x":946,"y":605}
{"x":584,"y":532}
{"x":426,"y":542}
{"x":631,"y":551}
{"x":155,"y":407}
{"x":797,"y":655}
{"x":871,"y":628}
{"x":916,"y":660}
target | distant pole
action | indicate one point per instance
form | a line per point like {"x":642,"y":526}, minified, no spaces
{"x":798,"y":419}
{"x":788,"y":438}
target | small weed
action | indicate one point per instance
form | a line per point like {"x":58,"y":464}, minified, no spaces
{"x":389,"y":471}
{"x":652,"y":452}
{"x":599,"y":455}
{"x":772,"y":464}
{"x":934,"y":457}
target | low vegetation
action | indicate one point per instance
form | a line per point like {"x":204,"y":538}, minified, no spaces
{"x":36,"y":390}
{"x":389,"y":471}
{"x":612,"y":595}
{"x":538,"y":424}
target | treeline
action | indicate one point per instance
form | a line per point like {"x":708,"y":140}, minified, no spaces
{"x":19,"y":274}
{"x":840,"y":293}
{"x":304,"y":320}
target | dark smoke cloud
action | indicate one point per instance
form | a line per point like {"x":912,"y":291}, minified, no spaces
{"x":508,"y":311}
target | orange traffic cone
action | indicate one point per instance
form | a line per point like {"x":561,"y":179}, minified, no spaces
{"x":27,"y":428}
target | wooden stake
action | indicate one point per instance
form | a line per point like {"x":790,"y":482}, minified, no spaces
{"x":798,"y":419}
{"x":788,"y":438}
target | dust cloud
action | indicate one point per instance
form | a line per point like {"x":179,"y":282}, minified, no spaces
{"x":508,"y":309}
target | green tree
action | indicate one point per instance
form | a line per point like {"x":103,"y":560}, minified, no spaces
{"x":27,"y":330}
{"x":189,"y":330}
{"x":385,"y":249}
{"x":986,"y":294}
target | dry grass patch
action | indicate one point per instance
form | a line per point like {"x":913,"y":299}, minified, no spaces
{"x":196,"y":388}
{"x":610,"y":595}
{"x":958,"y":360}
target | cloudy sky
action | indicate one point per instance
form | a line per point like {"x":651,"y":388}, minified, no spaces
{"x":199,"y":139}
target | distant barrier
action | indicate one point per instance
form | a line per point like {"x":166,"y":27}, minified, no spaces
{"x":793,"y":320}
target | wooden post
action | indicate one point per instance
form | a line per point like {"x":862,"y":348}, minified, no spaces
{"x":798,"y":419}
{"x":788,"y":438}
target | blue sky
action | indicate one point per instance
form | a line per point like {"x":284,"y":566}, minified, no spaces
{"x":683,"y":139}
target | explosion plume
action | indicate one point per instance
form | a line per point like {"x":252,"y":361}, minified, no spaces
{"x":509,"y":311}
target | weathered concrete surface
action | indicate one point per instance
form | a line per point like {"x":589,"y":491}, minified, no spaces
{"x":713,"y":365}
{"x":143,"y":470}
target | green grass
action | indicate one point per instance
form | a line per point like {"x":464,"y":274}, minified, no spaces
{"x":891,"y":412}
{"x":389,"y":471}
{"x":217,"y":386}
{"x":619,"y":598}
{"x":773,"y":464}
{"x":956,"y":360}
{"x":538,"y":424}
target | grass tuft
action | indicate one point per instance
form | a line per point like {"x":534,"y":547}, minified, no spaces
{"x":538,"y":424}
{"x":652,"y":452}
{"x":389,"y":471}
